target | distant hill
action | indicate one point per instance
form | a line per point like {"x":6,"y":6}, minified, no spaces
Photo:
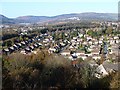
{"x":91,"y":16}
{"x":32,"y":19}
{"x":64,"y":17}
{"x":6,"y":20}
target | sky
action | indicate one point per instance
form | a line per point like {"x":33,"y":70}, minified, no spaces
{"x":13,"y":9}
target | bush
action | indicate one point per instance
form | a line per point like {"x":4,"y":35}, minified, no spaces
{"x":115,"y":82}
{"x":50,"y":70}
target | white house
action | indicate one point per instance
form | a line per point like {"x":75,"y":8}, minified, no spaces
{"x":100,"y":42}
{"x":51,"y":50}
{"x":89,"y":38}
{"x":96,"y":57}
{"x":90,"y":42}
{"x":19,"y":44}
{"x":74,"y":38}
{"x":62,"y":44}
{"x":11,"y":48}
{"x":117,"y":41}
{"x":15,"y":46}
{"x":100,"y":71}
{"x":71,"y":47}
{"x":23,"y":43}
{"x":116,"y":37}
{"x":65,"y":53}
{"x":39,"y":44}
{"x":23,"y":52}
{"x":70,"y":57}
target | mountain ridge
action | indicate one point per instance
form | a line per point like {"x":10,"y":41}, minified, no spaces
{"x":73,"y":16}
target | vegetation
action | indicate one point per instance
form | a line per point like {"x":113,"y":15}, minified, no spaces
{"x":45,"y":70}
{"x":115,"y":82}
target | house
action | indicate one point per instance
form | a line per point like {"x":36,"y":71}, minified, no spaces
{"x":29,"y":40}
{"x":39,"y":44}
{"x":38,"y":39}
{"x":65,"y":41}
{"x":79,"y":40}
{"x":89,"y":38}
{"x":90,"y":49}
{"x":15,"y":46}
{"x":80,"y":35}
{"x":35,"y":45}
{"x":74,"y":55}
{"x":19,"y":45}
{"x":11,"y":49}
{"x":46,"y":44}
{"x":26,"y":42}
{"x":70,"y":57}
{"x":31,"y":47}
{"x":46,"y":40}
{"x":23,"y":43}
{"x":88,"y":54}
{"x":117,"y":41}
{"x":71,"y":47}
{"x":100,"y":71}
{"x":27,"y":49}
{"x":23,"y":52}
{"x":65,"y":53}
{"x":51,"y":50}
{"x":116,"y":37}
{"x":6,"y":51}
{"x":45,"y":34}
{"x":62,"y":44}
{"x":90,"y":42}
{"x":73,"y":41}
{"x":75,"y":38}
{"x":100,"y":42}
{"x":95,"y":57}
{"x":111,"y":67}
{"x":33,"y":39}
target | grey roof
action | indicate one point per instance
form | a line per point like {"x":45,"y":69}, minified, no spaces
{"x":31,"y":47}
{"x":11,"y":48}
{"x":110,"y":65}
{"x":23,"y":42}
{"x":7,"y":50}
{"x":27,"y":48}
{"x":15,"y":45}
{"x":35,"y":45}
{"x":19,"y":44}
{"x":40,"y":44}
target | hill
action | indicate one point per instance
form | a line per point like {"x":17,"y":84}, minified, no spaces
{"x":88,"y":16}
